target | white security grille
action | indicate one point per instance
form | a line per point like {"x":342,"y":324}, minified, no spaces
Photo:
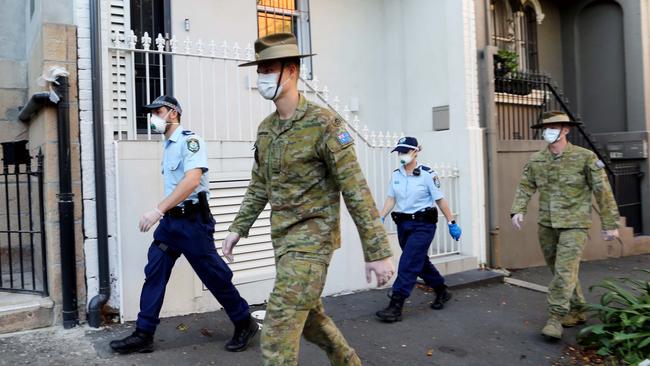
{"x":253,"y":255}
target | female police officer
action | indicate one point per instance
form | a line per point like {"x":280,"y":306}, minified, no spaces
{"x":413,"y":191}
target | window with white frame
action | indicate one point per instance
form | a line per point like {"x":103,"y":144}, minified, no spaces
{"x":287,"y":16}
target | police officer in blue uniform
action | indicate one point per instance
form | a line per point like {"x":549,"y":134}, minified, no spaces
{"x":186,"y":227}
{"x":414,"y":192}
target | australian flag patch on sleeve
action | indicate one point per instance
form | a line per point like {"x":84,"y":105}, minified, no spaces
{"x":344,"y":138}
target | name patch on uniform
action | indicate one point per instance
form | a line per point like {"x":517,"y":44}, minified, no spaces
{"x":344,"y":138}
{"x":193,"y":145}
{"x":600,"y":164}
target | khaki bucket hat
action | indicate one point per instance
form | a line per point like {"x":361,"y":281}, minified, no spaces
{"x":276,"y":47}
{"x":552,"y":117}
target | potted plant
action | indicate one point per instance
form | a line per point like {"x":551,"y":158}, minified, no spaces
{"x":505,"y":62}
{"x":507,"y":78}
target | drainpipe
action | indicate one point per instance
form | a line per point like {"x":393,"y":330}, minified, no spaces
{"x":487,"y":86}
{"x":60,"y":94}
{"x":36,"y":102}
{"x":66,"y":207}
{"x":97,"y":303}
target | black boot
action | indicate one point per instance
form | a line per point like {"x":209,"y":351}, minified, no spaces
{"x":442,"y":296}
{"x":393,"y":313}
{"x":245,"y":330}
{"x":138,"y":341}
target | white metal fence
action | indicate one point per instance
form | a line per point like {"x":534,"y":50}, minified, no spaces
{"x":220,"y":102}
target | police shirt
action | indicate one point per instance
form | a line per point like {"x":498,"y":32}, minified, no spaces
{"x":184,"y":151}
{"x":413,"y":193}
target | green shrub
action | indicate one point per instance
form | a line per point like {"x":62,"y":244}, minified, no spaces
{"x":624,"y":315}
{"x":505,"y":62}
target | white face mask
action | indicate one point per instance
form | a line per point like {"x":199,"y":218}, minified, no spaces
{"x":405,"y":159}
{"x":551,"y":135}
{"x":158,"y":124}
{"x":267,"y":85}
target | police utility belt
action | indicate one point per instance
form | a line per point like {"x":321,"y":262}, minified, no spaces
{"x":429,"y":215}
{"x":190,"y":209}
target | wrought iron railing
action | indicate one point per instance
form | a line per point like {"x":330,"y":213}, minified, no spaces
{"x":522,"y":98}
{"x":22,"y":227}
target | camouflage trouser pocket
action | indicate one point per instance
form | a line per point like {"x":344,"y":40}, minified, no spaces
{"x":299,"y":282}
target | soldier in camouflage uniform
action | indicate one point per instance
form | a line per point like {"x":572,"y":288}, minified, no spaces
{"x":566,"y":176}
{"x":304,"y":160}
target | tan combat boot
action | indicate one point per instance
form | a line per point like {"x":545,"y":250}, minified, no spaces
{"x":553,"y":328}
{"x":573,"y":318}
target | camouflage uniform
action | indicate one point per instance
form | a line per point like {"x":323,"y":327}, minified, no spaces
{"x":302,"y":165}
{"x":566,"y":183}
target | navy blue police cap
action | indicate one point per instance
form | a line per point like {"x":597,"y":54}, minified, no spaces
{"x":406,"y":144}
{"x":164,"y":101}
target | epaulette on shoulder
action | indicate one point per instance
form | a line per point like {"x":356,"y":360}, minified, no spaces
{"x":396,"y":170}
{"x":187,"y":133}
{"x":425,"y":168}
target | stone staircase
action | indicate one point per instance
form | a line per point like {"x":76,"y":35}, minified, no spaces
{"x":628,"y":244}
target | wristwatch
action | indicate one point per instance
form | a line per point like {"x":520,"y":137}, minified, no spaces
{"x":451,"y":222}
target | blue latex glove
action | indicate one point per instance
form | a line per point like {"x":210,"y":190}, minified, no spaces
{"x":383,"y":219}
{"x":455,"y":231}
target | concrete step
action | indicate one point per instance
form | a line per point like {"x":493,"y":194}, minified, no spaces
{"x":470,"y":278}
{"x":461,"y":271}
{"x":20,"y":312}
{"x":474,"y":277}
{"x":455,"y":263}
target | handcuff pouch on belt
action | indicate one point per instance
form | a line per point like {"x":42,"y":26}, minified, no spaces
{"x":429,"y":215}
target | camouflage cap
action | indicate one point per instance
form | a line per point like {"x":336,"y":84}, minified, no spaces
{"x":553,"y":117}
{"x":276,"y":46}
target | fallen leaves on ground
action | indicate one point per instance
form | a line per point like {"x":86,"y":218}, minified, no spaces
{"x":577,"y":356}
{"x":206,"y":332}
{"x":182,"y":327}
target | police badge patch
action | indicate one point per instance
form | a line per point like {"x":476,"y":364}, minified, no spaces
{"x":436,"y":181}
{"x":193,"y":145}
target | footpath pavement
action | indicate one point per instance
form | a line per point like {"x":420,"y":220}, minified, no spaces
{"x":489,"y":324}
